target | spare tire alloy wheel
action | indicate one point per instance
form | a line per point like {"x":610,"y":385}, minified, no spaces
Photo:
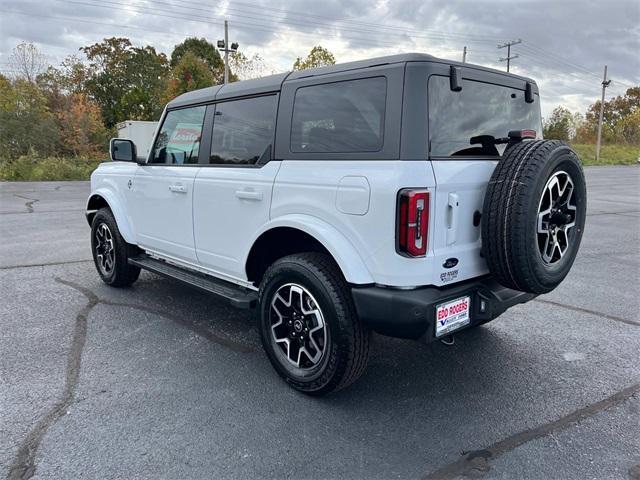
{"x":105,"y":250}
{"x":556,"y":217}
{"x":298,"y":328}
{"x":533,"y":215}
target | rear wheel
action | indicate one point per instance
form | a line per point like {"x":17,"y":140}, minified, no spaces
{"x":110,"y":252}
{"x":308,"y":324}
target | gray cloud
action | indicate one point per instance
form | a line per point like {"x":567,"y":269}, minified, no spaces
{"x":565,"y":43}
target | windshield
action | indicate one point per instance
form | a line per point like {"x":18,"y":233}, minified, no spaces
{"x":479,"y":109}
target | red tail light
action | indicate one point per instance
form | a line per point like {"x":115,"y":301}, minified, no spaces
{"x":413,"y":222}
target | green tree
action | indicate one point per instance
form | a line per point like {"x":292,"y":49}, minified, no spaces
{"x":617,"y":119}
{"x":628,"y":129}
{"x":203,"y":50}
{"x":57,"y":83}
{"x":127,"y":82}
{"x":190,"y":73}
{"x":560,"y":125}
{"x":26,"y":124}
{"x":318,"y":57}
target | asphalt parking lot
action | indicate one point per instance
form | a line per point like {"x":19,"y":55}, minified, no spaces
{"x":161,"y":381}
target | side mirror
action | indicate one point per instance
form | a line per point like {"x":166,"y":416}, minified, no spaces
{"x":122,"y":150}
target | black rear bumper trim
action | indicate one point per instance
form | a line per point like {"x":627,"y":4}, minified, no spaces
{"x":411,"y":313}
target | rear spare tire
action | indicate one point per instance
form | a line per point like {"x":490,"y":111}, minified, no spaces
{"x":534,"y":214}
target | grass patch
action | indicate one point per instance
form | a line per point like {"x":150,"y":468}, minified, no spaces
{"x":29,"y":168}
{"x":609,"y":154}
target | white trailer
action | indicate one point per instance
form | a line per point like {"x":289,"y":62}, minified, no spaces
{"x":140,"y":132}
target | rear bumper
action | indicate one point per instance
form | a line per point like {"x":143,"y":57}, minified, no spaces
{"x":411,"y":313}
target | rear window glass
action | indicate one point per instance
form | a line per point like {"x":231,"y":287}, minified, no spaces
{"x":478,"y":109}
{"x":243,"y":131}
{"x":339,"y":117}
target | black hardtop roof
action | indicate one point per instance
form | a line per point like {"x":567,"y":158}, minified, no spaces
{"x":273,"y":83}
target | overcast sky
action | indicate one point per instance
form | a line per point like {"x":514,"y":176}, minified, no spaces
{"x":565,"y":43}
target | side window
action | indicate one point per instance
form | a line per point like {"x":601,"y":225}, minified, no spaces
{"x":339,"y":117}
{"x":243,"y":131}
{"x":178,"y":141}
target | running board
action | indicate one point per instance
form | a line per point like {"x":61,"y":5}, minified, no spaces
{"x":238,"y":297}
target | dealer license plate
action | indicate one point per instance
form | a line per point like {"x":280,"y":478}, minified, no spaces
{"x":452,"y":316}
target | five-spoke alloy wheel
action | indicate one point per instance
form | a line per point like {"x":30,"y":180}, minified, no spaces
{"x":533,"y":216}
{"x":556,"y":217}
{"x":297,"y":326}
{"x":105,"y":251}
{"x":111,"y":252}
{"x":308,"y":324}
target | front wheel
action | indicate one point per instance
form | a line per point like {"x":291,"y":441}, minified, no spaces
{"x":110,"y":251}
{"x":308,"y":324}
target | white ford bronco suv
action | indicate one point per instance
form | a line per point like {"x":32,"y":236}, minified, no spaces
{"x":406,"y":195}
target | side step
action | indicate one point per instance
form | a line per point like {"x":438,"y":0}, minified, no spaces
{"x":236,"y":295}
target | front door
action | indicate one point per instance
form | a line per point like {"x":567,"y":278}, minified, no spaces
{"x":162,"y":190}
{"x":232,"y":193}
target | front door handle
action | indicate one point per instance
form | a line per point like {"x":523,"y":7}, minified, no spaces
{"x":249,"y":195}
{"x":178,"y":188}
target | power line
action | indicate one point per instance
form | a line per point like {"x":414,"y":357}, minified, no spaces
{"x":559,"y":61}
{"x":330,"y":22}
{"x":113,"y":5}
{"x":171,"y":13}
{"x":573,"y":75}
{"x":267,"y":28}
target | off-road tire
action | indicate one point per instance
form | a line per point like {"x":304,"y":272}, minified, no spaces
{"x":348,"y":346}
{"x":122,"y":274}
{"x":510,"y":237}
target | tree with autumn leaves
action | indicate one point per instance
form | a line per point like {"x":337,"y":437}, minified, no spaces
{"x":621,"y":121}
{"x":75,"y":106}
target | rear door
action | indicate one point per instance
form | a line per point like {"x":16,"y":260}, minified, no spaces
{"x":162,"y":190}
{"x":462,"y":170}
{"x":232,"y":192}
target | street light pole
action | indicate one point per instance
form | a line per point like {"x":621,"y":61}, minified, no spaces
{"x":223,"y":46}
{"x":226,"y":52}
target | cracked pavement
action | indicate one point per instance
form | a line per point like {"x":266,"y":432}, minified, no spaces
{"x":161,"y":381}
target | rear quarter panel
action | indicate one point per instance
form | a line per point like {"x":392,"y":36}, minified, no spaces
{"x":313,"y":188}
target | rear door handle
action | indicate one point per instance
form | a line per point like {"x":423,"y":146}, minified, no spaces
{"x":178,"y":188}
{"x":453,"y":204}
{"x":249,"y":195}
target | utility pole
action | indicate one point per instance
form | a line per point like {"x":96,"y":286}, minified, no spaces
{"x":508,"y":58}
{"x":226,"y":52}
{"x":223,"y":46}
{"x":464,"y":55}
{"x":605,"y":84}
